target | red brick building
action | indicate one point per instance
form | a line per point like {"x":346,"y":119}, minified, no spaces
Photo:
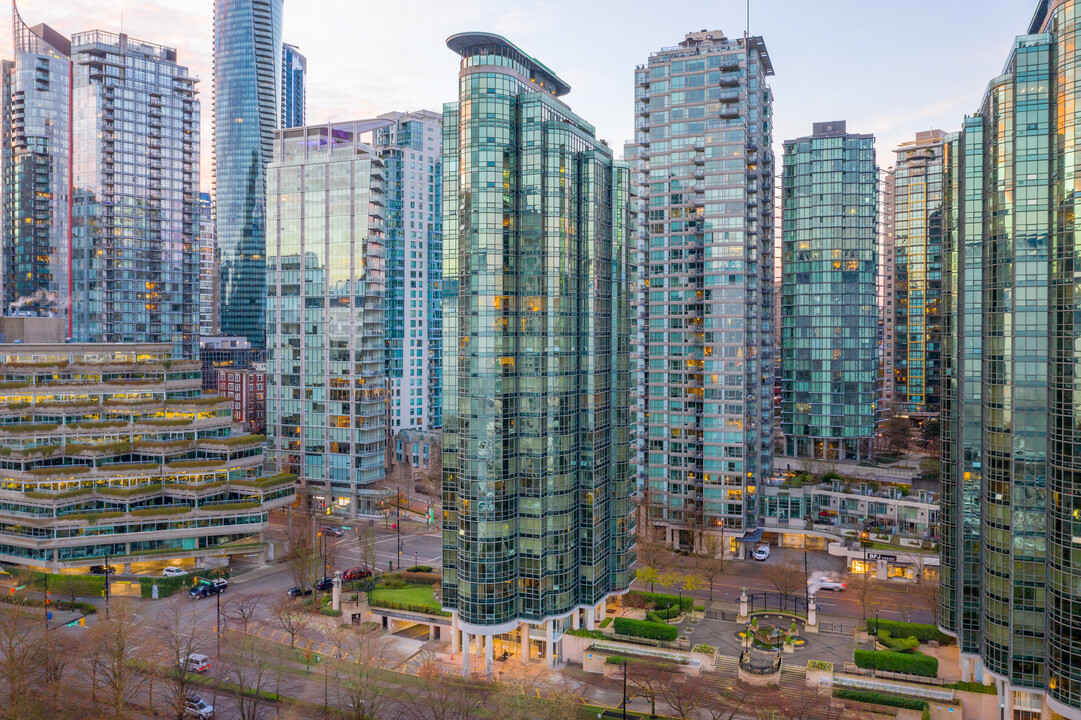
{"x":247,"y":388}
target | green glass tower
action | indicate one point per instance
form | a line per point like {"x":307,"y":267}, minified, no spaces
{"x":829,"y":308}
{"x":537,"y":516}
{"x":1011,"y":577}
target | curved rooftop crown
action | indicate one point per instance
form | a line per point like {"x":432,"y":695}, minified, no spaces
{"x":468,"y":44}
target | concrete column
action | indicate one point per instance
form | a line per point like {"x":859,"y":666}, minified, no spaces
{"x":744,"y":601}
{"x":576,"y":619}
{"x":523,"y":653}
{"x":431,"y":631}
{"x":812,"y":616}
{"x":127,"y":568}
{"x":549,"y":644}
{"x":466,"y":640}
{"x":604,"y":608}
{"x":591,"y":614}
{"x":336,"y":592}
{"x":454,"y":637}
{"x":489,"y":651}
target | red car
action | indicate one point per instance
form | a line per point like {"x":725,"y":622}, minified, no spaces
{"x":357,"y":573}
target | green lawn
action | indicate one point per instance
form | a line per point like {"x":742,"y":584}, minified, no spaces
{"x":416,"y":595}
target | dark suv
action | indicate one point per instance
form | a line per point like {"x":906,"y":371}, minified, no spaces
{"x":103,"y":569}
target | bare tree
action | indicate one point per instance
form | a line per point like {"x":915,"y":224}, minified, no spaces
{"x":865,"y":588}
{"x":445,"y":697}
{"x":291,"y":617}
{"x":685,"y":694}
{"x":246,"y":666}
{"x":802,"y":703}
{"x":366,"y":542}
{"x":115,"y":640}
{"x":243,"y":609}
{"x":304,"y":555}
{"x":786,"y":577}
{"x":359,"y":694}
{"x":709,"y":564}
{"x":179,"y":639}
{"x":647,"y":679}
{"x":19,"y":635}
{"x":56,"y":653}
{"x":518,"y":694}
{"x":651,"y":558}
{"x":905,"y":602}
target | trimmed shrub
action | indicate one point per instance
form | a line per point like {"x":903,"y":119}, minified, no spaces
{"x":166,"y":585}
{"x":662,"y":614}
{"x":594,"y":634}
{"x":707,"y":649}
{"x":420,"y":569}
{"x":606,"y":622}
{"x":646,"y":629}
{"x":923,"y":633}
{"x":615,"y":660}
{"x":973,"y":687}
{"x":330,"y":612}
{"x":912,"y":664}
{"x":659,"y":600}
{"x":902,"y":645}
{"x":820,"y":665}
{"x":876,"y":698}
{"x":423,"y":609}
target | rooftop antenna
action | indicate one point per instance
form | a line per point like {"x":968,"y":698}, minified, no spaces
{"x":747,"y":34}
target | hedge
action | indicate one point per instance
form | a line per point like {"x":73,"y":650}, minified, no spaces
{"x":876,"y":698}
{"x":615,"y":660}
{"x":914,"y":664}
{"x":661,"y":600}
{"x":923,"y":633}
{"x":646,"y":629}
{"x":420,"y":568}
{"x":663,"y":614}
{"x":423,"y":609}
{"x":582,"y":632}
{"x":330,"y":612}
{"x":973,"y":687}
{"x":901,"y":645}
{"x":166,"y":585}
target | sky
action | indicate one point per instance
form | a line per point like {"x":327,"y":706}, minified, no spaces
{"x":887,"y":67}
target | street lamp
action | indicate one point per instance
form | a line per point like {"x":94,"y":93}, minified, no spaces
{"x":624,"y":688}
{"x":874,"y":662}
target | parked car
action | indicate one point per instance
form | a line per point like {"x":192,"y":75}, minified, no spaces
{"x":834,"y":585}
{"x":761,"y":552}
{"x":103,"y":569}
{"x":325,"y":584}
{"x":195,"y":706}
{"x":206,"y":589}
{"x":357,"y":573}
{"x":173,"y":571}
{"x":332,"y":531}
{"x":195,"y":663}
{"x":297,"y":591}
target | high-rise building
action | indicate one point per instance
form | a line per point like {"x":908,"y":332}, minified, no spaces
{"x":829,"y":296}
{"x":917,"y":266}
{"x":886,"y":296}
{"x":135,"y":227}
{"x":294,"y":86}
{"x":326,"y":381}
{"x":538,"y":526}
{"x":247,"y":80}
{"x":1011,"y":500}
{"x":703,"y":128}
{"x":208,"y":268}
{"x":411,"y":147}
{"x":35,"y":127}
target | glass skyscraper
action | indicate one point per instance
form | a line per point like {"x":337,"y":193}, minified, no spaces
{"x":208,"y":268}
{"x":326,"y":383}
{"x":135,"y":229}
{"x":1011,"y":506}
{"x":703,"y":136}
{"x":36,"y":169}
{"x":829,"y":296}
{"x":411,"y":147}
{"x":537,"y":513}
{"x":247,"y":92}
{"x":294,"y":86}
{"x":918,"y":207}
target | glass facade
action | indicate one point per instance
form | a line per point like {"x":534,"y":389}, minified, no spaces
{"x":208,"y":268}
{"x":326,"y":383}
{"x":918,"y":208}
{"x":36,"y":170}
{"x":411,"y":147}
{"x":294,"y":86}
{"x":829,"y":304}
{"x":135,"y":229}
{"x":247,"y":79}
{"x":537,"y":511}
{"x":704,"y":171}
{"x":1012,"y":469}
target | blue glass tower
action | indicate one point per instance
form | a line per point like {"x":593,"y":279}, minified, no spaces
{"x":294,"y":73}
{"x":247,"y":78}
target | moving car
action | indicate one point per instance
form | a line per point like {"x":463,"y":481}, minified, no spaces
{"x":102,"y":569}
{"x":325,"y":584}
{"x":173,"y":571}
{"x":761,"y":552}
{"x":834,"y":585}
{"x":357,"y":573}
{"x":195,"y":706}
{"x":297,"y":591}
{"x":196,"y":662}
{"x":332,"y":531}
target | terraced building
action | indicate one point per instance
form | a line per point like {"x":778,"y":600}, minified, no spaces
{"x":114,"y":450}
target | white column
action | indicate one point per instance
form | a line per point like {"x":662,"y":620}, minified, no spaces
{"x":576,"y":619}
{"x":549,"y":644}
{"x":523,"y":653}
{"x":604,"y":608}
{"x":454,"y":637}
{"x":591,"y":613}
{"x":466,"y":640}
{"x":489,"y":648}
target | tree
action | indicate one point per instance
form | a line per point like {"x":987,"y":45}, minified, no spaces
{"x":905,"y":602}
{"x":243,"y":609}
{"x":802,"y":703}
{"x":366,"y":543}
{"x":445,"y":697}
{"x":685,"y":694}
{"x":292,"y":619}
{"x":930,"y":467}
{"x":647,"y":575}
{"x":865,"y":588}
{"x":246,"y":666}
{"x":709,"y":564}
{"x":114,"y":642}
{"x":786,"y":577}
{"x":518,"y":694}
{"x":180,"y":639}
{"x":646,"y":680}
{"x":651,"y":558}
{"x":19,"y":634}
{"x":897,"y":433}
{"x":358,"y":694}
{"x":56,"y":653}
{"x":931,"y":431}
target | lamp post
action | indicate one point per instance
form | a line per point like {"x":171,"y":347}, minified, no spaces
{"x":874,"y":663}
{"x":624,"y":688}
{"x":399,"y":524}
{"x":106,"y":584}
{"x":217,"y":628}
